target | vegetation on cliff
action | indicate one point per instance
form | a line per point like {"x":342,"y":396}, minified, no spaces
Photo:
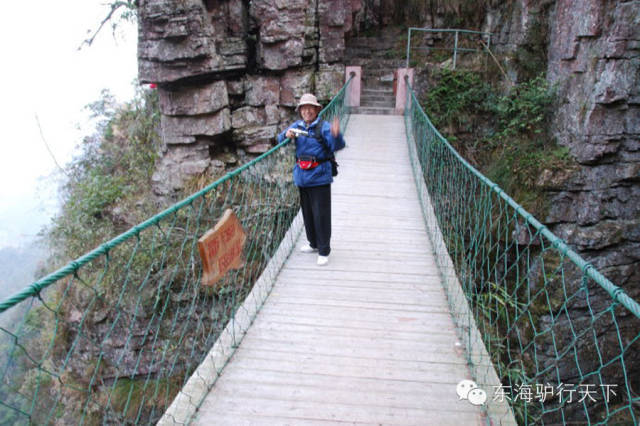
{"x":502,"y":132}
{"x":108,"y":185}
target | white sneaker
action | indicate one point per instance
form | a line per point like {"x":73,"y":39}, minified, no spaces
{"x":323,"y":260}
{"x":308,"y":249}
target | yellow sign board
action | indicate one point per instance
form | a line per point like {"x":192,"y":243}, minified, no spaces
{"x":221,"y":248}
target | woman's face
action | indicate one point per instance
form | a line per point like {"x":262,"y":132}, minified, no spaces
{"x":308,"y":113}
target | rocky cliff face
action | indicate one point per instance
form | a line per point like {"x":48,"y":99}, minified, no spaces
{"x":229,"y":73}
{"x":594,"y":57}
{"x":590,"y":50}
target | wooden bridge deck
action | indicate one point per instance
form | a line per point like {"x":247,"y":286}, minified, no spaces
{"x":367,"y":339}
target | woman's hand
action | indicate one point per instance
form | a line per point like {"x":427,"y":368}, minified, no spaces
{"x":335,"y":127}
{"x":290,"y":134}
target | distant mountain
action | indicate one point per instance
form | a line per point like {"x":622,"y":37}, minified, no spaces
{"x":18,"y":267}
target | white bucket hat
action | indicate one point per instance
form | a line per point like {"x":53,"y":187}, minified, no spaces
{"x":308,"y":99}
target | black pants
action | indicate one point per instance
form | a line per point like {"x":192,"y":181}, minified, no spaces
{"x":315,"y":202}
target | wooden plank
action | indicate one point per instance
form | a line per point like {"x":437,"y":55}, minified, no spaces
{"x":374,"y":265}
{"x":360,"y":309}
{"x":349,"y":240}
{"x":402,"y":330}
{"x":336,"y":412}
{"x":375,"y":195}
{"x":339,"y":264}
{"x":350,"y":297}
{"x":361,"y":340}
{"x":419,"y":321}
{"x":431,"y":372}
{"x":276,"y":328}
{"x":229,"y":417}
{"x":409,"y":239}
{"x":323,"y":310}
{"x":365,"y":290}
{"x":371,"y":252}
{"x":362,"y":275}
{"x":366,"y":286}
{"x":345,"y":390}
{"x":346,"y":347}
{"x":359,"y":283}
{"x":400,"y":212}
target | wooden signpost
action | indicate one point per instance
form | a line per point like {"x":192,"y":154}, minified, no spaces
{"x":221,"y":248}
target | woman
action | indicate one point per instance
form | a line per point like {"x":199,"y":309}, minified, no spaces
{"x":315,"y":146}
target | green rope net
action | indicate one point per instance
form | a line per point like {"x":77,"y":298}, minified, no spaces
{"x":112,"y":337}
{"x":563,"y":340}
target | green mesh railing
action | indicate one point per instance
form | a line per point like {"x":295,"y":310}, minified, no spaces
{"x":563,"y":340}
{"x":112,"y":337}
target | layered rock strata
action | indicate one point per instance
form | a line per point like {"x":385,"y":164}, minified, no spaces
{"x":592,"y":54}
{"x":594,"y":58}
{"x":229,"y":73}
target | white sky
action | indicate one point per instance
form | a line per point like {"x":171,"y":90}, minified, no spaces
{"x":44,"y":74}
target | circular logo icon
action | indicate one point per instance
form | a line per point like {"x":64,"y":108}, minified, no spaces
{"x":464,"y":387}
{"x":477,"y":396}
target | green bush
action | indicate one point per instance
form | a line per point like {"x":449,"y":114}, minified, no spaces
{"x":521,"y":147}
{"x":456,"y":98}
{"x":504,"y":134}
{"x":524,"y":110}
{"x":114,"y":168}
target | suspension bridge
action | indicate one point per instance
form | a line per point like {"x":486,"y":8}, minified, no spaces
{"x":444,"y":301}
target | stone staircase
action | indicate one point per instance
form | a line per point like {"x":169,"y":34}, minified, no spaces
{"x":379,"y":57}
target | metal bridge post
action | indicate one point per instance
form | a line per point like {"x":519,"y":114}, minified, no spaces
{"x":455,"y":50}
{"x":353,"y":94}
{"x":408,"y":47}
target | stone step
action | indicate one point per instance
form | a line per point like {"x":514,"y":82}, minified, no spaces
{"x":376,"y":91}
{"x":373,"y":111}
{"x":384,"y":92}
{"x":379,"y":56}
{"x":376,"y":83}
{"x":378,"y":104}
{"x":377,"y":73}
{"x":377,"y":98}
{"x":377,"y":77}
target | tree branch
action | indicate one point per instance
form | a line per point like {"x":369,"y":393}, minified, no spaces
{"x":47,"y":145}
{"x":129,"y":4}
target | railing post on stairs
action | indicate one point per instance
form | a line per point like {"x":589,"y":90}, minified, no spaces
{"x":455,"y":50}
{"x":353,"y":94}
{"x":403,"y":76}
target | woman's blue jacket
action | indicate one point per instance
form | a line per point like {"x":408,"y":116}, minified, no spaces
{"x":314,"y":146}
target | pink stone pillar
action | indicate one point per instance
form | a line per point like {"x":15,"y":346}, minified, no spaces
{"x":353,"y":95}
{"x":401,"y":87}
